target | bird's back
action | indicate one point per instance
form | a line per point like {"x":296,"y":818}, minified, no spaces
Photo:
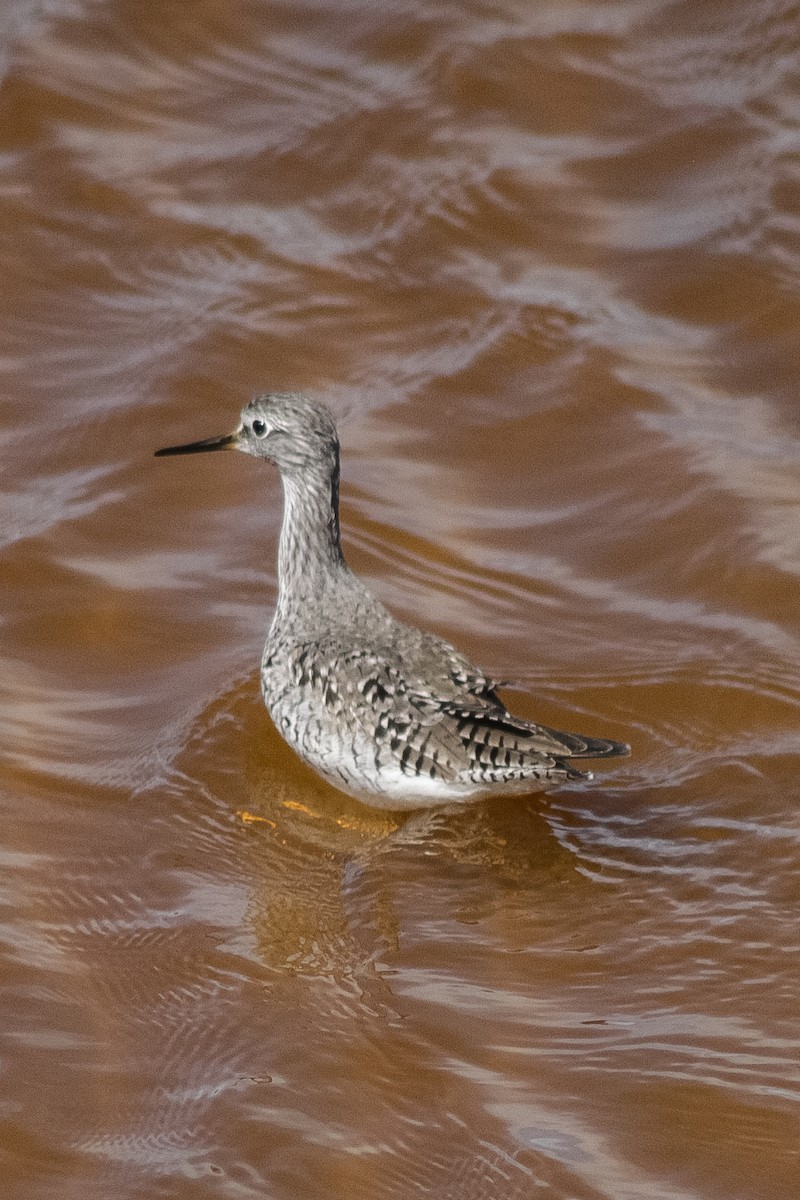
{"x":397,"y":715}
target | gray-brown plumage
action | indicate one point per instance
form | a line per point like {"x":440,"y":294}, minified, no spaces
{"x":386,"y":712}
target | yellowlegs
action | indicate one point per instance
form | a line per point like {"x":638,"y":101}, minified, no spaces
{"x":385,"y":712}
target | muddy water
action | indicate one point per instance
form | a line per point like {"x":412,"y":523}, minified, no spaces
{"x":543,"y":261}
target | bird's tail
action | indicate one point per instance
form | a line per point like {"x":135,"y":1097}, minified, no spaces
{"x":580,"y":746}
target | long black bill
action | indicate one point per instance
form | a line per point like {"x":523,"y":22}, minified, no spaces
{"x":226,"y":442}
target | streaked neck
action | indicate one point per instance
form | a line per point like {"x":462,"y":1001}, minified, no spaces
{"x":310,"y":556}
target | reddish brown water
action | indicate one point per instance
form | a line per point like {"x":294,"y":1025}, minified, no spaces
{"x":542,"y":258}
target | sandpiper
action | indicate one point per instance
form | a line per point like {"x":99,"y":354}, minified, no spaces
{"x":388,"y":713}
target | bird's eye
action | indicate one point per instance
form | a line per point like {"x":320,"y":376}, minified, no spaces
{"x":259,"y":428}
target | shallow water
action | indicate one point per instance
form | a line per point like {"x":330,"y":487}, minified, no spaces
{"x":542,"y":259}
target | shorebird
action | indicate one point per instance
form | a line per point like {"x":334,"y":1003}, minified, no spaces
{"x":388,"y":713}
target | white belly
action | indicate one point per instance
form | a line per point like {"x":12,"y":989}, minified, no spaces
{"x":347,"y":761}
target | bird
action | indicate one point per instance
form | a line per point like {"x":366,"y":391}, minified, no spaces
{"x":393,"y":715}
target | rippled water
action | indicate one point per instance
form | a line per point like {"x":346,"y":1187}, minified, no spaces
{"x":542,"y":259}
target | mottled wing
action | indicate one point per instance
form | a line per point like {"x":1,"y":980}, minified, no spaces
{"x":495,"y":746}
{"x":460,"y":732}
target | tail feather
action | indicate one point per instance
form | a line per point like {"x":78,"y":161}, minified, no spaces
{"x":581,"y":746}
{"x":571,"y":772}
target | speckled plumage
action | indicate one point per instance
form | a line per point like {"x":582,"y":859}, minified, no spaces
{"x":386,"y":712}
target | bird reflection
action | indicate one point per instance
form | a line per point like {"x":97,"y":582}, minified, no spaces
{"x":328,"y":870}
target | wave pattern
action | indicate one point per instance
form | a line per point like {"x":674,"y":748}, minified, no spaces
{"x":543,"y":262}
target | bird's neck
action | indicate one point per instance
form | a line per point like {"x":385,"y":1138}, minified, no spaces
{"x":310,"y":559}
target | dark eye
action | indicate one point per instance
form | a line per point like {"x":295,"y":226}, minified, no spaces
{"x":259,"y":428}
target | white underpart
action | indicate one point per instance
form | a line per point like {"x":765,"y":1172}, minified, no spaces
{"x":414,"y":791}
{"x":395,"y":789}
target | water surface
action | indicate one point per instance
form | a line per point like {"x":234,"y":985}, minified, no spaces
{"x":542,"y":260}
